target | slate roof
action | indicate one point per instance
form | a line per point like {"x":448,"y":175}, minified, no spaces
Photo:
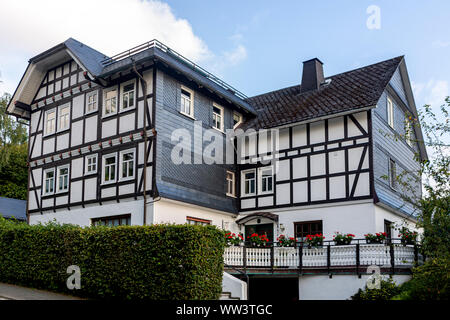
{"x":10,"y":208}
{"x":352,"y":90}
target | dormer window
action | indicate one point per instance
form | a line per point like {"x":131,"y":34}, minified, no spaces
{"x":187,"y":102}
{"x":110,"y":102}
{"x":128,"y":96}
{"x":217,"y":117}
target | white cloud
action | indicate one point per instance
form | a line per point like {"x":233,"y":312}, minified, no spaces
{"x":235,"y":56}
{"x":432,"y":92}
{"x":440,"y":44}
{"x":29,"y":27}
{"x":110,"y":26}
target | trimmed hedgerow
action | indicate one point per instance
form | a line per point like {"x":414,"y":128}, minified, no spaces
{"x":129,"y":262}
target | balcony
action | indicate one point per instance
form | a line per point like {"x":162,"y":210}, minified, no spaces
{"x":391,"y":257}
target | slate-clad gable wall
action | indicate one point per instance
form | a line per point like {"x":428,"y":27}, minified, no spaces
{"x":199,"y":184}
{"x":386,"y":147}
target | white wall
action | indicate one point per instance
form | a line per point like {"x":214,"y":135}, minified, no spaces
{"x":339,"y":287}
{"x":170,"y":211}
{"x":82,"y":216}
{"x":382,"y":214}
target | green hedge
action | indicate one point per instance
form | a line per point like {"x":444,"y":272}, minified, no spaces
{"x":129,"y":262}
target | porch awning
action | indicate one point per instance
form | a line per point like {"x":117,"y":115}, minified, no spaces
{"x":268,"y":215}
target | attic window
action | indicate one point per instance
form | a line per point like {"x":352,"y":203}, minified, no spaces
{"x":390,"y":112}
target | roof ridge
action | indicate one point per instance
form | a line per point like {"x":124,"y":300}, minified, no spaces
{"x":329,"y":77}
{"x":363,"y":67}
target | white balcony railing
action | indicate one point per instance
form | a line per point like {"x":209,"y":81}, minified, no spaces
{"x":325,"y":256}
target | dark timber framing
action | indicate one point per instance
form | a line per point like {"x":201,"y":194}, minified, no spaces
{"x":83,"y":87}
{"x":362,"y":140}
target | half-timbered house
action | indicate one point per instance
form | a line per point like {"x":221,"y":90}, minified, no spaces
{"x":310,"y":158}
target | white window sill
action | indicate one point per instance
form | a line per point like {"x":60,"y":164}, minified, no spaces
{"x":90,"y":173}
{"x":248,"y":195}
{"x":109,"y":115}
{"x":231,"y":195}
{"x":127,"y":109}
{"x":187,"y":115}
{"x":221,"y":131}
{"x":105,"y":183}
{"x":90,"y":112}
{"x":126,"y":179}
{"x":265,"y":193}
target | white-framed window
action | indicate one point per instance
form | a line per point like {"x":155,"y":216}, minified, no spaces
{"x":50,"y":122}
{"x":62,"y":178}
{"x":91,"y":164}
{"x":231,"y":189}
{"x":237,"y":119}
{"x":109,"y":168}
{"x":248,"y":182}
{"x":127,"y":95}
{"x":187,"y":102}
{"x":91,"y":101}
{"x":110,"y":101}
{"x":127,"y":166}
{"x":64,"y":117}
{"x":390,"y":112}
{"x":217,"y":117}
{"x":49,"y":181}
{"x":265,"y":180}
{"x":408,"y":133}
{"x":392,"y":174}
{"x":197,"y":221}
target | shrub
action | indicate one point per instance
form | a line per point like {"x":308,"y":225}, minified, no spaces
{"x":430,"y":281}
{"x":388,"y":289}
{"x":127,"y":262}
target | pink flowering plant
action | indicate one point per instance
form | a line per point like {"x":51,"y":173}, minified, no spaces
{"x":284,"y":241}
{"x":342,"y":239}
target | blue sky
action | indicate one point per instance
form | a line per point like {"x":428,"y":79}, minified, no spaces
{"x":256,"y":46}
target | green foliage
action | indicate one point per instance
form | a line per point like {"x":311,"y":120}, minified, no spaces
{"x":127,"y":262}
{"x":13,"y":155}
{"x":388,"y":289}
{"x":430,"y":281}
{"x":14,"y":173}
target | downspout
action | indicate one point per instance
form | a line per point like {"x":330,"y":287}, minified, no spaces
{"x":144,"y":93}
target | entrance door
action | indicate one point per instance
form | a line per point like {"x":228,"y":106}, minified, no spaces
{"x":265,"y":228}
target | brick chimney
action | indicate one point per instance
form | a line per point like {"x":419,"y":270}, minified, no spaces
{"x":312,"y":75}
